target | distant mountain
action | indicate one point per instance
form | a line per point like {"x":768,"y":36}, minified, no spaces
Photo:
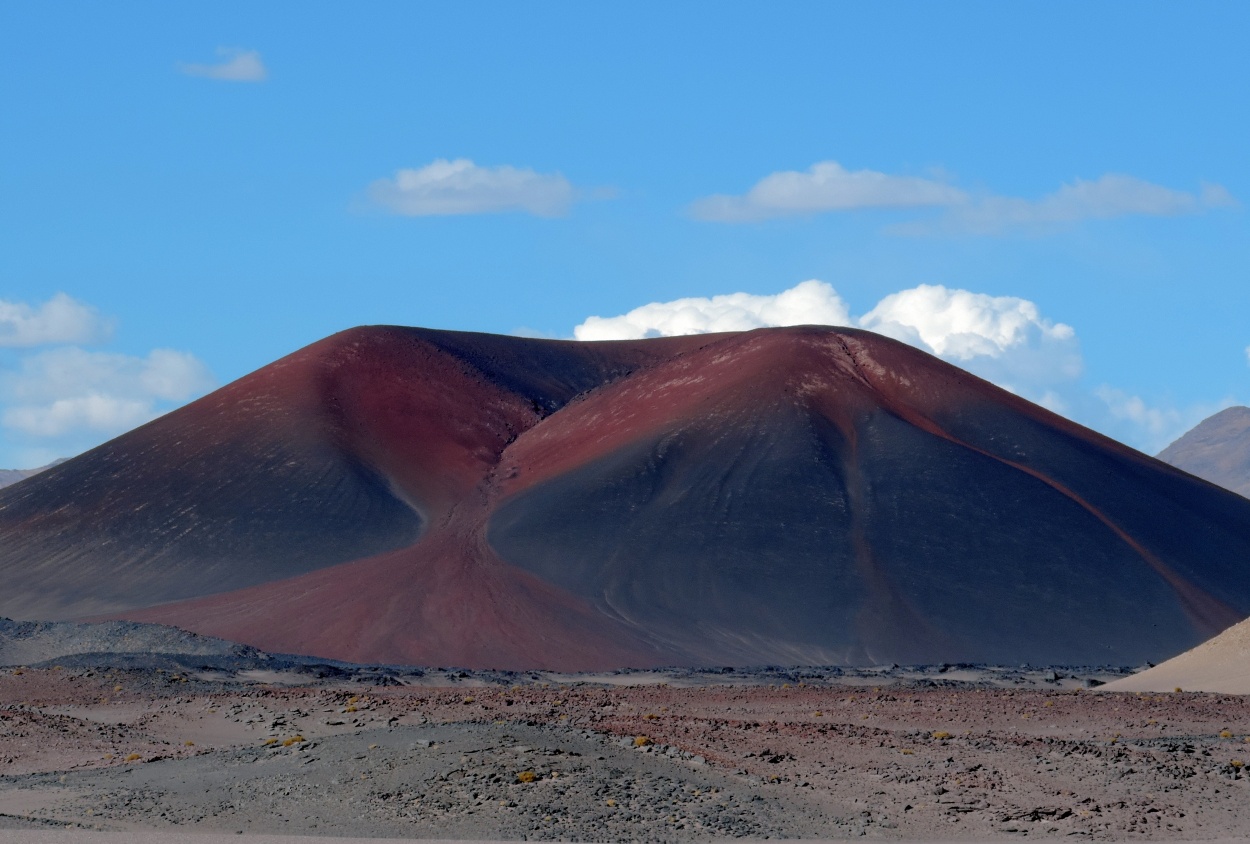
{"x":9,"y":477}
{"x":1217,"y":450}
{"x":804,"y":495}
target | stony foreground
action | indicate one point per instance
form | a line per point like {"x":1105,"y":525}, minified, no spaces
{"x":471,"y":757}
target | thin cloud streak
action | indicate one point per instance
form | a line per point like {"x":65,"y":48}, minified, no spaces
{"x":823,"y":187}
{"x":237,"y":65}
{"x":456,"y":187}
{"x":828,"y":187}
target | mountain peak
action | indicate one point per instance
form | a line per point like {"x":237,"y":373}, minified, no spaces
{"x":1217,"y":449}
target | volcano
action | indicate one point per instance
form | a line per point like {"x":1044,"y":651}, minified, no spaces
{"x":804,"y":495}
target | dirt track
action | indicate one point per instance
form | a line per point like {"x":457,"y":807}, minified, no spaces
{"x":339,"y":757}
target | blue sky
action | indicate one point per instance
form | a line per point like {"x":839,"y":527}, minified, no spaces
{"x":1051,"y":194}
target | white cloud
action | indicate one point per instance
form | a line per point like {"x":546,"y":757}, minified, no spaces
{"x":61,"y":319}
{"x":237,"y":65}
{"x":810,"y":302}
{"x":446,"y":187}
{"x":1002,"y":338}
{"x":61,"y":399}
{"x":69,"y":390}
{"x":825,"y":186}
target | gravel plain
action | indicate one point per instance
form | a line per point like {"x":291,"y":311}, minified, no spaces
{"x":259,"y":745}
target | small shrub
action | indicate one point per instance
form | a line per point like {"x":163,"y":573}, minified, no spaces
{"x":941,"y":735}
{"x":642,"y":741}
{"x":1226,"y":734}
{"x":526,"y":776}
{"x":133,"y":757}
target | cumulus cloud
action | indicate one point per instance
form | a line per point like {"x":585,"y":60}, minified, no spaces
{"x":61,"y":319}
{"x":446,"y":187}
{"x":1002,"y":338}
{"x":810,"y":302}
{"x":825,"y":186}
{"x":66,"y":390}
{"x":236,"y":65}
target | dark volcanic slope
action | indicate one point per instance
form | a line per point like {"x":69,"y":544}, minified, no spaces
{"x":805,"y":495}
{"x":1217,"y":449}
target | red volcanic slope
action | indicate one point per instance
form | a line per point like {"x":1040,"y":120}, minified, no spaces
{"x":805,"y":495}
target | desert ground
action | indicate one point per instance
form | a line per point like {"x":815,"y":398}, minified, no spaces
{"x":943,"y":753}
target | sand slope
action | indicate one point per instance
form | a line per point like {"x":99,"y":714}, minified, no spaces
{"x":1220,"y":665}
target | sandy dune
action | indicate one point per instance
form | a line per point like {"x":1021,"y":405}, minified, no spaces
{"x":1220,"y":665}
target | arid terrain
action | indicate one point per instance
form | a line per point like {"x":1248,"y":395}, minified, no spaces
{"x":939,"y":753}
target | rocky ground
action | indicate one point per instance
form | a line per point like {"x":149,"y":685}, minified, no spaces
{"x":265,"y":745}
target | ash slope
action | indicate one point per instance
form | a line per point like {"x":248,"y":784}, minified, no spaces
{"x":782,"y":496}
{"x":1217,"y":449}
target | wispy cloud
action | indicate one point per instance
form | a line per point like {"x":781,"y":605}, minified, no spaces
{"x":450,"y":187}
{"x":61,"y":319}
{"x":236,"y":65}
{"x":828,"y":187}
{"x":58,"y":398}
{"x":1107,"y":197}
{"x":69,"y":389}
{"x":1154,"y":426}
{"x":825,"y":186}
